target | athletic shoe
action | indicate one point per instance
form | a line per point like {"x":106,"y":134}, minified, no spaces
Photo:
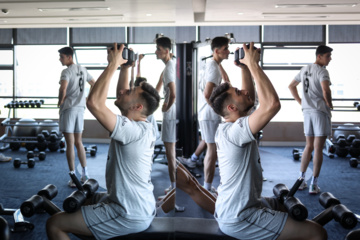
{"x":213,"y":191}
{"x":71,"y":184}
{"x":84,"y":178}
{"x":3,"y":158}
{"x":314,"y":189}
{"x":167,"y":190}
{"x":187,"y":162}
{"x":303,"y":185}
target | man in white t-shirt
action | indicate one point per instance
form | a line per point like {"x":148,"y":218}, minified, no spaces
{"x":72,"y":107}
{"x":208,"y":119}
{"x":316,"y":103}
{"x":240,"y":209}
{"x":168,"y":127}
{"x":128,"y":206}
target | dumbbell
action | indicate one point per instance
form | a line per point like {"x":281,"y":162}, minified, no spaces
{"x":40,"y":202}
{"x":341,"y":143}
{"x":4,"y":229}
{"x":354,"y":162}
{"x":354,"y":149}
{"x":297,"y":154}
{"x":76,"y":199}
{"x":353,"y":235}
{"x":20,"y":225}
{"x":92,"y":149}
{"x":334,"y":210}
{"x":32,"y":155}
{"x":30,"y":162}
{"x":37,"y":103}
{"x":293,"y":205}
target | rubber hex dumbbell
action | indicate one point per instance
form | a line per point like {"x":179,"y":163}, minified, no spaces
{"x":334,"y":210}
{"x":354,"y":162}
{"x":354,"y":149}
{"x":297,"y":154}
{"x":293,"y":205}
{"x":30,"y":162}
{"x":4,"y":229}
{"x":91,"y":149}
{"x":32,"y":155}
{"x":357,"y":105}
{"x":20,"y":225}
{"x":76,"y":199}
{"x":39,"y":202}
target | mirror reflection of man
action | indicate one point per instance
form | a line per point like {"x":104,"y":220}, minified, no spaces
{"x":168,"y":128}
{"x":72,"y":107}
{"x":128,"y":206}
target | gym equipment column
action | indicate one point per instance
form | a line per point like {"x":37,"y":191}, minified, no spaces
{"x":186,"y":100}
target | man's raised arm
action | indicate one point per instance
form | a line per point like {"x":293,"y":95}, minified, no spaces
{"x":96,"y":101}
{"x":268,"y":98}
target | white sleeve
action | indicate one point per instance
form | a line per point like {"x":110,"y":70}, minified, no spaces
{"x":127,"y":131}
{"x":298,"y":77}
{"x":169,"y":74}
{"x":212,"y":73}
{"x":324,"y":75}
{"x":239,"y":133}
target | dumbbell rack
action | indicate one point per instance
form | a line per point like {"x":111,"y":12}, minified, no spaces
{"x":346,"y":146}
{"x":7,"y":138}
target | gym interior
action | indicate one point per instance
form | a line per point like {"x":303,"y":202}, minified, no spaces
{"x":29,"y":83}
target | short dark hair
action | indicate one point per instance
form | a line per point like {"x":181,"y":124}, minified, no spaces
{"x":164,"y":42}
{"x":219,"y":42}
{"x":151,"y":98}
{"x":218,"y":98}
{"x":322,"y":49}
{"x":139,"y":80}
{"x":68,"y":51}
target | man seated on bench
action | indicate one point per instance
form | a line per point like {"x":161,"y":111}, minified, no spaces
{"x":129,"y":205}
{"x":240,"y":210}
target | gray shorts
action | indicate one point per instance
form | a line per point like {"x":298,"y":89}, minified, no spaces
{"x":316,"y":124}
{"x":105,"y":219}
{"x":71,"y":121}
{"x":257,"y":223}
{"x":168,"y":131}
{"x":208,"y":129}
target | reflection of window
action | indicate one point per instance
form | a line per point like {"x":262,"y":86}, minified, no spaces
{"x":38,"y":70}
{"x":288,"y":56}
{"x":344,"y":70}
{"x":91,"y":56}
{"x":6,"y":57}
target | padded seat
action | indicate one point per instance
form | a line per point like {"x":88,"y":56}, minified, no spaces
{"x":179,"y":228}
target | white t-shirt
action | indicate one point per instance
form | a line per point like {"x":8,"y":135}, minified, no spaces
{"x":312,"y":99}
{"x":212,"y":74}
{"x":168,"y":77}
{"x":240,"y":170}
{"x":129,"y":166}
{"x":76,"y":76}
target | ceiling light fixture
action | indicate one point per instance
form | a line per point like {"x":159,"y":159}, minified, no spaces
{"x":315,"y":5}
{"x":148,"y":14}
{"x":240,"y":13}
{"x":73,"y":9}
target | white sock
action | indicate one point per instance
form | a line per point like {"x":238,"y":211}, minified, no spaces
{"x":194,"y":158}
{"x":207,"y":186}
{"x":84,"y":171}
{"x":173,"y":184}
{"x":73,"y":172}
{"x":314,"y":180}
{"x":302,"y":174}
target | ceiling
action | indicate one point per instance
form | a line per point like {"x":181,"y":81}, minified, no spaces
{"x":96,"y":13}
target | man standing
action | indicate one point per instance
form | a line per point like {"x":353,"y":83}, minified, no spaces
{"x":72,"y":107}
{"x":168,"y":128}
{"x":240,"y":210}
{"x":208,"y":119}
{"x":128,"y":206}
{"x":316,"y":104}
